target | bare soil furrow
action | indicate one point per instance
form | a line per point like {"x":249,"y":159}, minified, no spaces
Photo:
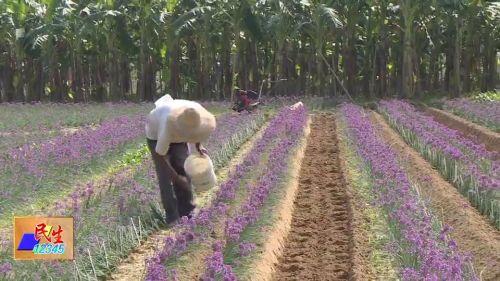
{"x":319,"y":244}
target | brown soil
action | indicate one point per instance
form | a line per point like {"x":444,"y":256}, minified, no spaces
{"x":471,"y":231}
{"x":319,"y":244}
{"x":489,"y":138}
{"x":262,"y":267}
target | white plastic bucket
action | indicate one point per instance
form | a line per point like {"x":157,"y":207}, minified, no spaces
{"x":200,"y":170}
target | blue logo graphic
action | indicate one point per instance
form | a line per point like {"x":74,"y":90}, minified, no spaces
{"x":28,"y":242}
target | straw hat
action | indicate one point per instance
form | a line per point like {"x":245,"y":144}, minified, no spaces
{"x":192,"y":124}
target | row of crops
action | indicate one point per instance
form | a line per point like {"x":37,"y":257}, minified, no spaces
{"x":101,"y":176}
{"x":238,"y":204}
{"x":415,"y":241}
{"x":421,"y":245}
{"x":463,"y":161}
{"x":482,"y":112}
{"x":100,"y":173}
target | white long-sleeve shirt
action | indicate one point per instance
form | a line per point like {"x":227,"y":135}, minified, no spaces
{"x":158,"y":126}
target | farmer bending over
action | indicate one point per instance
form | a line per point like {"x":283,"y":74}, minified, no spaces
{"x":170,"y":128}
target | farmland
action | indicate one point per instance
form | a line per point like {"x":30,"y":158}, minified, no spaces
{"x":347,"y":140}
{"x":335,"y":192}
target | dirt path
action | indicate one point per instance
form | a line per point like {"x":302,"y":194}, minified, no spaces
{"x":319,"y":244}
{"x":471,"y":230}
{"x":490,"y":139}
{"x":134,"y":267}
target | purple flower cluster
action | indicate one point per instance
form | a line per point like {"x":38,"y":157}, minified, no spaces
{"x":229,"y":125}
{"x":293,"y":122}
{"x":216,"y":267}
{"x":5,"y":268}
{"x":130,"y":189}
{"x":78,"y":147}
{"x":201,"y":223}
{"x":476,"y":160}
{"x":132,"y":199}
{"x":187,"y":231}
{"x":426,"y":254}
{"x":245,"y":248}
{"x":485,"y":113}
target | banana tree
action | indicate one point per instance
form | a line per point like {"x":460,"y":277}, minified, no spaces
{"x":491,"y":49}
{"x":409,"y":9}
{"x":7,"y":32}
{"x":320,"y":26}
{"x":279,"y":29}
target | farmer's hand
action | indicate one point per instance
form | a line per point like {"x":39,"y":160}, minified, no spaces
{"x":201,"y":149}
{"x":181,"y":182}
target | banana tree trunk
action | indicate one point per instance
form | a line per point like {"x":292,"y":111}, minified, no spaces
{"x":407,"y":79}
{"x":146,"y":73}
{"x":456,"y":59}
{"x":433,"y":69}
{"x":255,"y":65}
{"x":467,"y":54}
{"x":113,"y":75}
{"x":124,"y":76}
{"x":39,"y":86}
{"x":227,"y":69}
{"x":7,"y":77}
{"x":350,"y":62}
{"x":30,"y":79}
{"x":175,"y":79}
{"x":490,"y":66}
{"x":98,"y":81}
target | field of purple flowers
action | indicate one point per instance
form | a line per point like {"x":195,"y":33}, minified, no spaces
{"x":124,"y":201}
{"x":465,"y":162}
{"x":280,"y":136}
{"x":101,"y":174}
{"x":424,"y":250}
{"x":486,"y":113}
{"x":33,"y":123}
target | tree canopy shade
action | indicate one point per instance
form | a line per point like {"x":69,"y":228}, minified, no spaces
{"x":200,"y":49}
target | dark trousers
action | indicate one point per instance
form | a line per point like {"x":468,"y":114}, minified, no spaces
{"x":177,"y":201}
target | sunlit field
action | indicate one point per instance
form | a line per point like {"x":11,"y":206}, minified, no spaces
{"x":353,"y":140}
